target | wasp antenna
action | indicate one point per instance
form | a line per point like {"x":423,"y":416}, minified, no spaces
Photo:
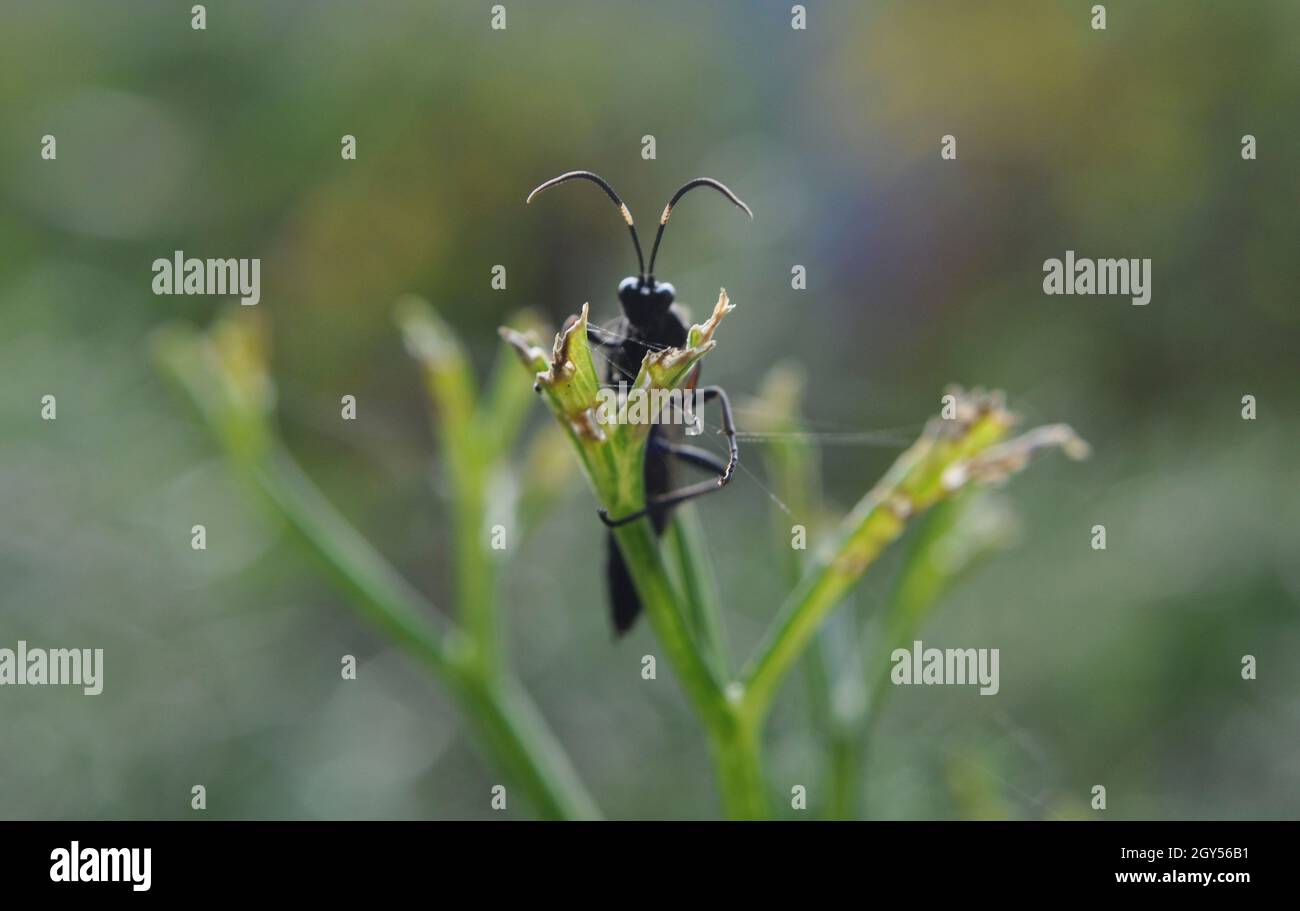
{"x":686,"y":188}
{"x":604,"y":185}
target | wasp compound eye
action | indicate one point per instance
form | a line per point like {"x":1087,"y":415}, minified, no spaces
{"x":664,"y":294}
{"x":629,"y":289}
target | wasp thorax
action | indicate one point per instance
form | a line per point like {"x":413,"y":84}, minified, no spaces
{"x":645,"y":301}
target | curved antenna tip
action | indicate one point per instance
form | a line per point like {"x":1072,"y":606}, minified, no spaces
{"x":609,"y":191}
{"x":682,"y":191}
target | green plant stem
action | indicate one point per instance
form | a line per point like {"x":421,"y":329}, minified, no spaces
{"x":921,"y":581}
{"x":953,"y":537}
{"x":733,"y":738}
{"x":645,"y":563}
{"x":914,"y":483}
{"x":845,"y":758}
{"x":473,"y":440}
{"x":379,"y":592}
{"x":686,"y":538}
{"x":475,"y":434}
{"x":506,"y":719}
{"x":518,"y":735}
{"x":836,"y":698}
{"x":474,"y":572}
{"x":737,"y":757}
{"x":817,"y":594}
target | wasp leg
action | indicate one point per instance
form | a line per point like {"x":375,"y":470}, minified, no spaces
{"x":725,"y":472}
{"x":693,"y":455}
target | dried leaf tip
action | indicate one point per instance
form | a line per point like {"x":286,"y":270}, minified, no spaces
{"x":702,"y":333}
{"x":563,"y":360}
{"x":997,"y":463}
{"x":525,"y":346}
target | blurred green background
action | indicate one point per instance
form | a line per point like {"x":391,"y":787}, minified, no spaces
{"x":1118,"y":668}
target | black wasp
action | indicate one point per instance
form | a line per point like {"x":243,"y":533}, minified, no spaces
{"x":650,"y":321}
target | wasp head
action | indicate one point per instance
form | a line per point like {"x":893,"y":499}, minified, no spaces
{"x":645,"y":301}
